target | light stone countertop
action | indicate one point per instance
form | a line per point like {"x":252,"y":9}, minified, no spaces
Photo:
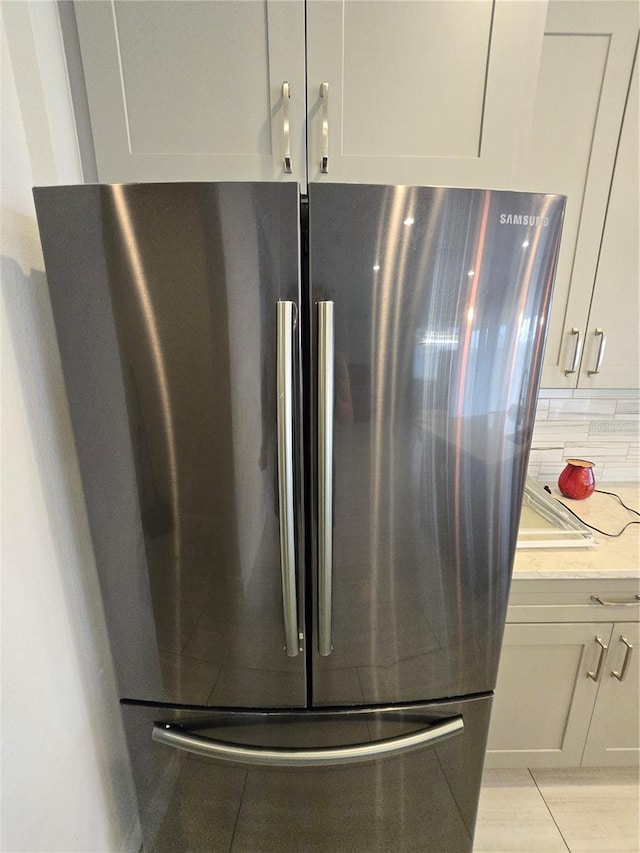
{"x":610,"y":558}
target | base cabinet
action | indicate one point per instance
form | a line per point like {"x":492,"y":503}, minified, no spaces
{"x":615,"y":726}
{"x":545,"y":694}
{"x":567,"y":691}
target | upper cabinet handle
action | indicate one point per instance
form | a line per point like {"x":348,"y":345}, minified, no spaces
{"x":576,"y":352}
{"x":286,"y":130}
{"x":324,"y":94}
{"x":600,"y":356}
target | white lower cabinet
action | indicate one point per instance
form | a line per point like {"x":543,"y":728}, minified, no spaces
{"x":567,"y":691}
{"x":544,"y":696}
{"x":614,"y":731}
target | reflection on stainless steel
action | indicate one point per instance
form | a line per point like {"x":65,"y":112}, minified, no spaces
{"x":188,"y":379}
{"x":192,"y":274}
{"x":150,"y":326}
{"x":154,"y":348}
{"x":440,"y":346}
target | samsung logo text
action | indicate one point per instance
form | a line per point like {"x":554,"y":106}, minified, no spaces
{"x":523,"y":219}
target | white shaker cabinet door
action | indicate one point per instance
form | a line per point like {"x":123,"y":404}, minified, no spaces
{"x":586,"y":64}
{"x":611,"y":356}
{"x":614,"y":734}
{"x":421,"y":92}
{"x":193,"y":90}
{"x":547,"y":686}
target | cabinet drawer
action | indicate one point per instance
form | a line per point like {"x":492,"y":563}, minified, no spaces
{"x":574,"y":600}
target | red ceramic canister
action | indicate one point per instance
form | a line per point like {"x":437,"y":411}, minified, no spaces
{"x":577,"y":480}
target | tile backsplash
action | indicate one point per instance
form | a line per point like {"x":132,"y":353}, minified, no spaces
{"x":602,"y":426}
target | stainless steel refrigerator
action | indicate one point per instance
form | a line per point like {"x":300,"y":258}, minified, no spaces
{"x":303,"y":428}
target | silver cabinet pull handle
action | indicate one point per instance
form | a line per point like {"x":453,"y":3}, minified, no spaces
{"x":237,"y":753}
{"x":286,"y":101}
{"x":324,"y":94}
{"x":599,"y":600}
{"x":603,"y":648}
{"x":601,"y":347}
{"x":625,"y":663}
{"x":285,"y":474}
{"x":576,"y":352}
{"x":325,"y":473}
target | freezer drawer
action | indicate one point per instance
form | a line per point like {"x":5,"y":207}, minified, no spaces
{"x":416,"y":800}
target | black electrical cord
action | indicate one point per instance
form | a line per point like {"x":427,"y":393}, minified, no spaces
{"x":597,"y":529}
{"x":613,"y":494}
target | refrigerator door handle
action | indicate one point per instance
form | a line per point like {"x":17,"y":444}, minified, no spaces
{"x":236,"y":753}
{"x":325,"y":473}
{"x":285,"y":475}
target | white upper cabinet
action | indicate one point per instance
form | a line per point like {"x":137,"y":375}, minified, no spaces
{"x":613,"y":328}
{"x":418,"y":92}
{"x":193,"y":90}
{"x":421,"y":92}
{"x":586,"y":64}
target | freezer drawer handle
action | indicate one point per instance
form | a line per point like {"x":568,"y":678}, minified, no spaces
{"x":236,"y":753}
{"x":325,"y":473}
{"x":285,"y":475}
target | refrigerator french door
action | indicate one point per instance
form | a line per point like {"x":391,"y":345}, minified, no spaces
{"x":303,"y":432}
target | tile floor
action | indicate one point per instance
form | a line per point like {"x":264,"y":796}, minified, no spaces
{"x":544,"y":811}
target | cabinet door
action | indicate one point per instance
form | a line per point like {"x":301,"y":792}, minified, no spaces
{"x":587,"y":57}
{"x":545,"y":695}
{"x":192,"y":91}
{"x":616,"y":304}
{"x":614,"y":735}
{"x":421,"y":92}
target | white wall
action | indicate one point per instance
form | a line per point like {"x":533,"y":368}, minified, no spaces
{"x":66,"y":783}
